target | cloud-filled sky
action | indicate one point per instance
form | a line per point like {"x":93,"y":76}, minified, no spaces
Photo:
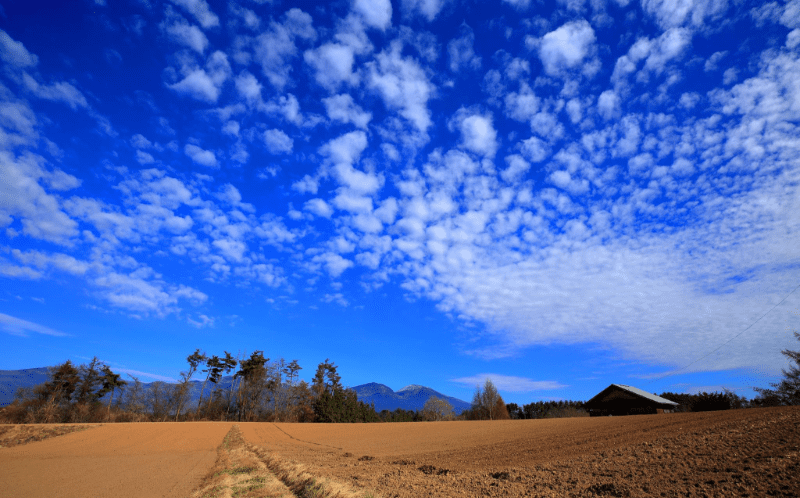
{"x":556,"y":195}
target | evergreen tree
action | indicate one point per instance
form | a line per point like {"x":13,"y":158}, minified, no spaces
{"x":787,"y":391}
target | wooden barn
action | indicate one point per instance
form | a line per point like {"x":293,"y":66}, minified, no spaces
{"x":619,"y":399}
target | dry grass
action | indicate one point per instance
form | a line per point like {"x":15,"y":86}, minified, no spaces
{"x":18,"y":435}
{"x":246,"y":471}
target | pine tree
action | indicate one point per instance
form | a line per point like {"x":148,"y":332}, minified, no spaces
{"x":787,"y":391}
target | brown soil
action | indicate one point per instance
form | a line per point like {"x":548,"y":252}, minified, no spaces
{"x":17,"y":435}
{"x":752,"y":452}
{"x":735,"y":453}
{"x":114,"y":460}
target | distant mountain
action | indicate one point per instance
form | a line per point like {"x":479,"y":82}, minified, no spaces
{"x":411,"y":397}
{"x":11,"y":380}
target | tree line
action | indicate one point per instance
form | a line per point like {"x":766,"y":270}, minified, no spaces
{"x":264,"y":390}
{"x":259,"y":390}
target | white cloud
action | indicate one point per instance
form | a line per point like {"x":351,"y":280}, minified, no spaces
{"x":673,"y":13}
{"x":428,"y":9}
{"x":534,"y":149}
{"x":278,"y":142}
{"x":200,"y":10}
{"x":346,"y":149}
{"x":14,"y":53}
{"x":20,"y":327}
{"x":186,"y":34}
{"x":275,"y":47}
{"x":403,"y":85}
{"x":204,"y":84}
{"x":136,"y":293}
{"x":201,"y":156}
{"x":462,"y":54}
{"x":332,"y":64}
{"x":202,"y":321}
{"x":566,"y":47}
{"x":509,"y":383}
{"x":730,"y":76}
{"x":477,"y":133}
{"x":608,"y":104}
{"x":517,"y":166}
{"x":22,"y":196}
{"x":319,"y":207}
{"x":342,"y":108}
{"x":712,"y":63}
{"x":61,"y":91}
{"x":376,"y":13}
{"x":334,"y":264}
{"x":519,"y":4}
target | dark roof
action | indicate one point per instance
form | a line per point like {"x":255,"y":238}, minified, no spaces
{"x":635,"y":391}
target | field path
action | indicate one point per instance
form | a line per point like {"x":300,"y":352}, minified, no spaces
{"x":114,"y":460}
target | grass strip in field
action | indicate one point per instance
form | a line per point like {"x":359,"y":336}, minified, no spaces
{"x":18,"y":435}
{"x":243,"y":470}
{"x":238,"y":473}
{"x":302,"y":483}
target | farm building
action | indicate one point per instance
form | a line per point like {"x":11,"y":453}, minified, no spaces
{"x":619,"y":399}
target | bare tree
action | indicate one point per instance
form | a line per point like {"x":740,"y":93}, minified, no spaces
{"x":437,"y":409}
{"x":485,"y":401}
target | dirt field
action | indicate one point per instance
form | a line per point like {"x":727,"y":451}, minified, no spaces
{"x":119,"y":460}
{"x":736,"y":453}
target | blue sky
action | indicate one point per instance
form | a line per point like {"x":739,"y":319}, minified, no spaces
{"x":557,"y":195}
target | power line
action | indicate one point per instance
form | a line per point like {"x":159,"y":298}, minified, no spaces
{"x":726,"y":342}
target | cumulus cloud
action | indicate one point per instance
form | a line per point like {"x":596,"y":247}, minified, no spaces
{"x":403,"y":85}
{"x":200,"y":10}
{"x":342,"y":108}
{"x":334,"y":263}
{"x":428,"y":9}
{"x":673,"y":13}
{"x":332,"y":64}
{"x":566,"y":47}
{"x":185,"y":34}
{"x":201,"y":156}
{"x":278,"y":142}
{"x":275,"y":47}
{"x":477,"y":133}
{"x":319,"y":207}
{"x":461,"y":51}
{"x":204,"y":84}
{"x":23,"y":196}
{"x":375,"y":13}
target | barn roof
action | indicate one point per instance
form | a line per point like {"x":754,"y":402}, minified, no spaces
{"x":638,"y":392}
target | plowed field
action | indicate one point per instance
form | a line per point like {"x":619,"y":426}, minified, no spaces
{"x":119,"y":460}
{"x":736,"y":453}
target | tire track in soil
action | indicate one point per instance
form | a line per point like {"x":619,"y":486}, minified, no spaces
{"x":304,"y":441}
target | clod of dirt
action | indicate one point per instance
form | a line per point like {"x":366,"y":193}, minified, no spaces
{"x":608,"y":489}
{"x":430,"y":470}
{"x":503,"y":476}
{"x":366,"y":458}
{"x":404,"y":462}
{"x":348,"y":454}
